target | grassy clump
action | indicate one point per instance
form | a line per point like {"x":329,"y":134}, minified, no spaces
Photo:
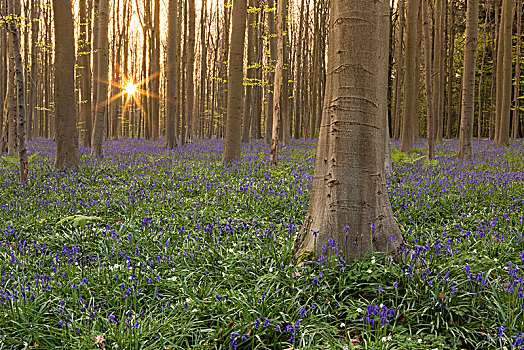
{"x":150,"y":249}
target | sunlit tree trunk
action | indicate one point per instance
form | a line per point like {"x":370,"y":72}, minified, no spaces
{"x":468,"y":81}
{"x":349,"y":211}
{"x":155,"y":81}
{"x":103,"y":63}
{"x":235,"y":79}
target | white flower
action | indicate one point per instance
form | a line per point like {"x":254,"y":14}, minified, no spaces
{"x":359,"y":310}
{"x":342,"y":325}
{"x":420,"y":340}
{"x":270,"y":269}
{"x":373,"y":260}
{"x":369,"y":271}
{"x":230,"y":250}
{"x":172,"y":278}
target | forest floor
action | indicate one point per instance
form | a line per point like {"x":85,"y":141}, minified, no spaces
{"x":157,"y":249}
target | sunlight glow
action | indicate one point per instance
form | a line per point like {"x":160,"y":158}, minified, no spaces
{"x":131,"y":89}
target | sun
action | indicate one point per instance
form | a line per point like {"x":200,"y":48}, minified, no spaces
{"x":130,"y":89}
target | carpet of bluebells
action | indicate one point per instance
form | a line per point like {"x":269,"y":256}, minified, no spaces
{"x":156,"y":249}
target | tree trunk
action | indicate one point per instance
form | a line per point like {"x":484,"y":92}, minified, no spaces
{"x":248,"y":88}
{"x":103,"y":63}
{"x":349,"y":211}
{"x":468,"y":81}
{"x":171,"y":69}
{"x":399,"y":70}
{"x":507,"y":42}
{"x":20,"y":92}
{"x":272,"y":61}
{"x":233,"y":144}
{"x":410,"y":86}
{"x":85,"y":72}
{"x":481,"y":78}
{"x":451,"y":73}
{"x":430,"y":118}
{"x":516,"y":94}
{"x":67,"y":154}
{"x":277,"y":100}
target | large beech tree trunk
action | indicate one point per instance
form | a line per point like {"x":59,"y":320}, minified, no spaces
{"x":468,"y":81}
{"x":67,"y":154}
{"x":235,"y":82}
{"x":349,"y":193}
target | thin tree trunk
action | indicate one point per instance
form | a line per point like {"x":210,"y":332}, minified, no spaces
{"x":272,"y":61}
{"x":516,"y":94}
{"x":451,"y":73}
{"x":481,"y":77}
{"x":399,"y":70}
{"x":410,"y":87}
{"x":248,"y":88}
{"x":171,"y":69}
{"x":507,"y":42}
{"x":20,"y":92}
{"x":468,"y":81}
{"x":429,"y":88}
{"x":281,"y":5}
{"x":85,"y":72}
{"x":103,"y":63}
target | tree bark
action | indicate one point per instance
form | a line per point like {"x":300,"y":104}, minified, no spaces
{"x":468,"y":81}
{"x":516,"y":94}
{"x":277,"y":98}
{"x":20,"y":91}
{"x":410,"y":86}
{"x":85,"y":72}
{"x":171,"y":69}
{"x":430,"y":118}
{"x":349,"y":193}
{"x":102,"y":89}
{"x":233,"y":144}
{"x":67,"y":153}
{"x":507,"y":42}
{"x":399,"y":70}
